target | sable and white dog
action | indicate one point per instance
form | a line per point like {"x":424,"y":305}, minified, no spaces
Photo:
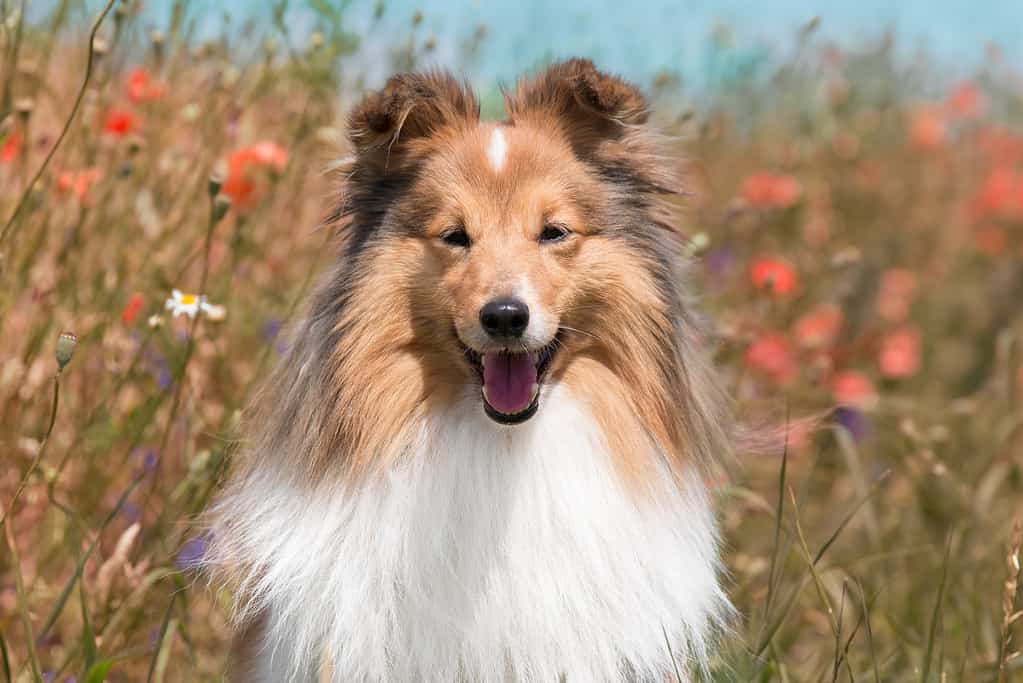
{"x":483,"y":456}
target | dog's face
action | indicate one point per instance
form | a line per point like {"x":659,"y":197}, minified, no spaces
{"x":508,"y":249}
{"x":509,"y":256}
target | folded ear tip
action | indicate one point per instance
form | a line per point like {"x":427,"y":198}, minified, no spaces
{"x":578,"y":78}
{"x":416,"y":103}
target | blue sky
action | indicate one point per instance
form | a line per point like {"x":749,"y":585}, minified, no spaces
{"x":641,"y":38}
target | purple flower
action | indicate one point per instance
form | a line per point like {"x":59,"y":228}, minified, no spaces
{"x":192,"y":553}
{"x":719,"y":261}
{"x":146,"y":458}
{"x":130,"y":511}
{"x":853,"y":421}
{"x":271,"y":328}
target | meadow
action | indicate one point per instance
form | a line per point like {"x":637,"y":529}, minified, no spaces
{"x":856,"y":225}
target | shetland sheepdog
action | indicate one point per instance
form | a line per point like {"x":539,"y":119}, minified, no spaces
{"x":483,"y":456}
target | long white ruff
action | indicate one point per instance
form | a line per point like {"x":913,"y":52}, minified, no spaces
{"x":487,"y":554}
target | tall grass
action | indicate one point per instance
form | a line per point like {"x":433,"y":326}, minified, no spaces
{"x":860,"y":248}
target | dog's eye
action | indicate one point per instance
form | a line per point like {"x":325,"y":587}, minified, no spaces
{"x":553,"y":232}
{"x":456,"y":237}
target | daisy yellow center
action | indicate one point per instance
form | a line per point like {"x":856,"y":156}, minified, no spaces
{"x":188,"y":299}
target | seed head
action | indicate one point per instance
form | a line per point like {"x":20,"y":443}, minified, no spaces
{"x":66,"y":343}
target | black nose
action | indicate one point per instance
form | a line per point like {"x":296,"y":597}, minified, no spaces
{"x":504,"y":318}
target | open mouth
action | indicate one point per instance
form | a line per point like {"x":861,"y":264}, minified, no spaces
{"x":511,"y":381}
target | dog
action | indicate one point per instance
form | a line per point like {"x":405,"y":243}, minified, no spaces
{"x":483,"y":455}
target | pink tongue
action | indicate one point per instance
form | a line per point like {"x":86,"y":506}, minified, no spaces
{"x":509,"y":379}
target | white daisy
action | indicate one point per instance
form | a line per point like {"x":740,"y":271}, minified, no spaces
{"x":189,"y":304}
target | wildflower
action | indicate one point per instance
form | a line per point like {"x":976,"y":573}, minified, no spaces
{"x":853,"y":421}
{"x":141,"y":87}
{"x":770,"y":354}
{"x":120,"y":122}
{"x":819,"y":328}
{"x":927,"y":129}
{"x":771,"y":190}
{"x":719,"y":261}
{"x":192,"y":553}
{"x":896,"y":293}
{"x":131,"y":309}
{"x":852,"y":388}
{"x":155,"y":321}
{"x":78,"y":182}
{"x":188,"y":304}
{"x":1000,"y":195}
{"x":965,"y":101}
{"x":239,"y":184}
{"x":9,"y":148}
{"x":774,"y":275}
{"x":899,"y":355}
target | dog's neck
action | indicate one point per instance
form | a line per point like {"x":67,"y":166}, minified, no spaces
{"x":488,"y":554}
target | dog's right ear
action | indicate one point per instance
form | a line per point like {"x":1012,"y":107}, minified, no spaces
{"x":390,"y":125}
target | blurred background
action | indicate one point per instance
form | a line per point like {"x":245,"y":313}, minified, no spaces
{"x":855,"y":223}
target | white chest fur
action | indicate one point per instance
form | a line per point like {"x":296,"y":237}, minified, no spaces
{"x":490,"y":554}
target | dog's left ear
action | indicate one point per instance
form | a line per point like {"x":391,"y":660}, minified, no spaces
{"x":590,"y":106}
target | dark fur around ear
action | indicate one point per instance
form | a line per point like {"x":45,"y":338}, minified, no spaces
{"x":602,"y":117}
{"x":577,"y":90}
{"x":410,"y":107}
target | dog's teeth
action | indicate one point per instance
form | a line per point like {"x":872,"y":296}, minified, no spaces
{"x":486,"y":395}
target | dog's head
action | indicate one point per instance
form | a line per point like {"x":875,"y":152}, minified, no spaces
{"x":507,"y":256}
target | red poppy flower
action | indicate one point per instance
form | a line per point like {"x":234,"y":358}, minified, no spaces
{"x":240,"y":185}
{"x":819,"y":328}
{"x":9,"y":150}
{"x":854,"y":389}
{"x":141,"y":87}
{"x":771,"y":190}
{"x":132,"y":308}
{"x":899,"y":356}
{"x":999,"y":196}
{"x":774,"y":275}
{"x":120,"y":122}
{"x":771,"y":354}
{"x":78,"y":182}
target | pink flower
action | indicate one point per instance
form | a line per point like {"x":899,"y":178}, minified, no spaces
{"x":965,"y":101}
{"x":853,"y":389}
{"x":771,"y":190}
{"x":927,"y":129}
{"x":819,"y":328}
{"x":770,"y":353}
{"x":896,"y":294}
{"x":899,"y":355}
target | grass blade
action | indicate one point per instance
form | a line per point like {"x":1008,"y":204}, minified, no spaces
{"x":932,"y":632}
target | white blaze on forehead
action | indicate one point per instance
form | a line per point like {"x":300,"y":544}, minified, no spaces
{"x":497,"y":149}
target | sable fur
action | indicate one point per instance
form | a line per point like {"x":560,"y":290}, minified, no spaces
{"x":374,"y":373}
